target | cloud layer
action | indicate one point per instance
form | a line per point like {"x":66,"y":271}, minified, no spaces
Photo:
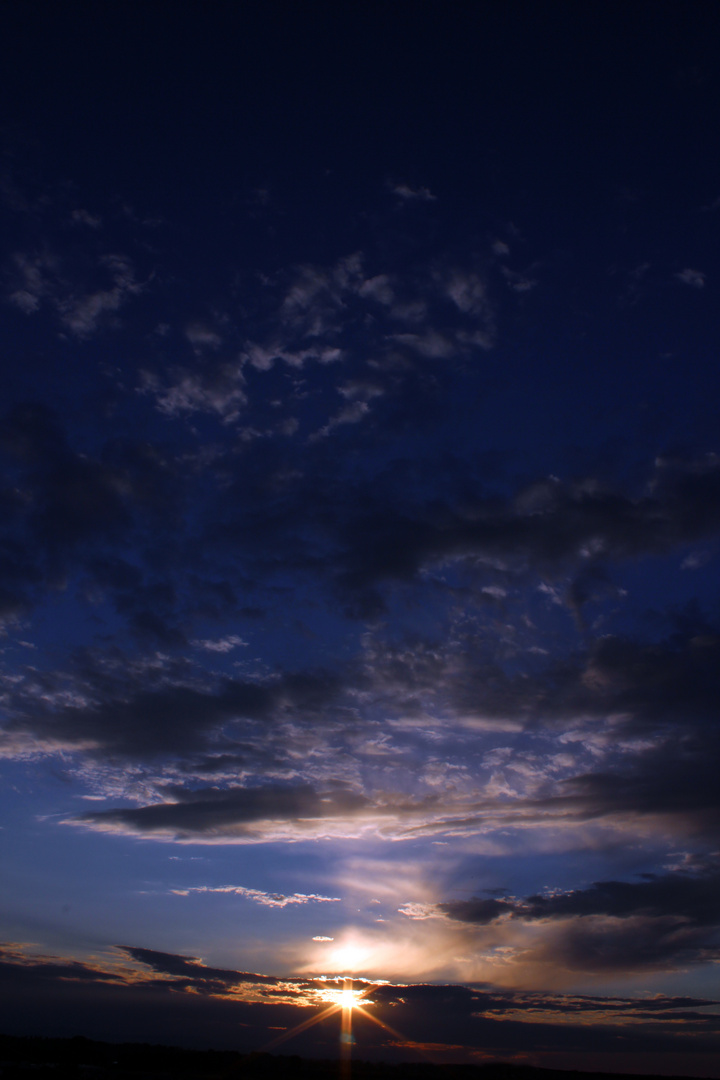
{"x":469,"y":1023}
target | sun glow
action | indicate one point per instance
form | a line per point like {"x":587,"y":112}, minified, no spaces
{"x":350,"y":956}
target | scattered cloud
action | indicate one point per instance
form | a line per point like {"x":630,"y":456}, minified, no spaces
{"x":203,"y":337}
{"x":84,"y":313}
{"x":220,"y":391}
{"x":420,"y":194}
{"x":81,"y":310}
{"x":220,"y":645}
{"x":694,"y":278}
{"x":85,"y":217}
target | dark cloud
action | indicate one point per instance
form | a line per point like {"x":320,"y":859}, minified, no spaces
{"x":687,"y":897}
{"x":196,"y":973}
{"x":28,"y":970}
{"x":631,"y":944}
{"x":229,"y":812}
{"x":673,"y":681}
{"x":73,"y":512}
{"x":161,"y":707}
{"x":477,"y":911}
{"x":692,"y":898}
{"x":661,"y":922}
{"x":118,"y":512}
{"x":541,"y":526}
{"x":672,"y":783}
{"x":667,"y":688}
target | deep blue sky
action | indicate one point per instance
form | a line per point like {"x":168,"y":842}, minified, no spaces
{"x":360,"y":515}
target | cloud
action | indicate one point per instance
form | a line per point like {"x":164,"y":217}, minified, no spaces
{"x":489,"y":681}
{"x":200,"y":975}
{"x":160,"y":707}
{"x":202,"y":337}
{"x":82,"y":308}
{"x":631,"y":721}
{"x":263,"y":357}
{"x":663,"y":922}
{"x":420,"y":911}
{"x":518,"y":282}
{"x":631,"y":725}
{"x":341,"y":312}
{"x":64,"y":504}
{"x":219,"y":390}
{"x":431,"y":344}
{"x":83,"y":313}
{"x":220,"y":645}
{"x":85,"y":217}
{"x":409,"y":194}
{"x":469,"y":293}
{"x":317,"y":296}
{"x":687,"y":897}
{"x":35,"y":271}
{"x":265,"y":899}
{"x":379,"y":288}
{"x":604,"y":946}
{"x":694,"y":278}
{"x":543,"y":526}
{"x":240,"y":814}
{"x":351,"y":414}
{"x":477,"y":911}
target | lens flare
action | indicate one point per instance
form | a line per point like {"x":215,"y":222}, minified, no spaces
{"x":344,"y":1001}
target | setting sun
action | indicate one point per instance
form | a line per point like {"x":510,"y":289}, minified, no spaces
{"x":348,"y":999}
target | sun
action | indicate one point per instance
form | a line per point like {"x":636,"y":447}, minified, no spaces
{"x":346,"y":999}
{"x":346,"y":1002}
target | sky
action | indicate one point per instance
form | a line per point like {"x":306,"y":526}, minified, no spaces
{"x":360,"y":528}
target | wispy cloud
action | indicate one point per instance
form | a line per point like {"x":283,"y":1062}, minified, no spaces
{"x":201,"y":336}
{"x":220,"y":391}
{"x":82,"y":310}
{"x":419,"y":194}
{"x":694,"y":278}
{"x":265,"y":899}
{"x":85,"y":217}
{"x":220,"y":645}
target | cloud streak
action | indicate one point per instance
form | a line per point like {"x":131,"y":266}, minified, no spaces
{"x":265,"y":899}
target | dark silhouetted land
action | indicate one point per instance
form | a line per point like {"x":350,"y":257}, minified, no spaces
{"x":84,"y":1059}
